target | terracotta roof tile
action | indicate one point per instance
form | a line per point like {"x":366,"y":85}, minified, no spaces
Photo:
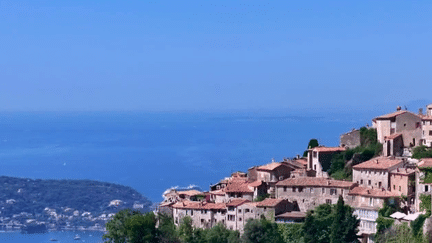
{"x":269,"y":202}
{"x":380,"y":163}
{"x":270,"y":166}
{"x":425,"y":163}
{"x":328,"y":149}
{"x":393,"y":136}
{"x":190,"y":193}
{"x":237,"y":202}
{"x":369,"y":192}
{"x":218,"y":192}
{"x":391,"y":115}
{"x":315,"y":182}
{"x":293,"y":214}
{"x":238,"y":185}
{"x":256,"y":183}
{"x":198,"y":205}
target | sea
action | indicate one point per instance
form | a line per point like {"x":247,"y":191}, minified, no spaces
{"x":154,"y":151}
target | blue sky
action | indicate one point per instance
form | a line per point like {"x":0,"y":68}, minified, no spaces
{"x":213,"y":55}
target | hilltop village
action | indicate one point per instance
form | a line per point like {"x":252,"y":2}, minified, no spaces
{"x":284,"y":191}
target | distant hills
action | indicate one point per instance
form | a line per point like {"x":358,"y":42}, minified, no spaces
{"x":37,"y":199}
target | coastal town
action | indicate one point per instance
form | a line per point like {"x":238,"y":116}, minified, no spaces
{"x":284,"y":191}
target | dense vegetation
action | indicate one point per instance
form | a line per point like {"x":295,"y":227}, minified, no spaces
{"x":342,"y":163}
{"x":422,"y":152}
{"x":19,"y":195}
{"x":327,"y":223}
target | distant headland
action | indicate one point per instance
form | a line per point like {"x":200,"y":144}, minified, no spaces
{"x":27,"y":204}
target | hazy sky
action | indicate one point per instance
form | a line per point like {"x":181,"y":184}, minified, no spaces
{"x":213,"y":55}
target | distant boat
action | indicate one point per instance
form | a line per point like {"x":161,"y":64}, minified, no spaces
{"x":52,"y":239}
{"x":77,"y":237}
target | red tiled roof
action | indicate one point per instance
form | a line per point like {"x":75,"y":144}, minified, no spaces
{"x":293,"y":214}
{"x":238,"y":185}
{"x":237,"y":202}
{"x":190,"y":193}
{"x":426,"y":118}
{"x":315,"y":182}
{"x":301,"y":161}
{"x":198,"y":205}
{"x":369,"y":192}
{"x":380,"y":163}
{"x":328,"y":149}
{"x":425,"y":163}
{"x":270,"y":166}
{"x":269,"y":202}
{"x":256,"y":183}
{"x":393,"y":136}
{"x":218,"y":192}
{"x":391,"y":115}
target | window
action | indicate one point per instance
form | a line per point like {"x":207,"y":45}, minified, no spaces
{"x":369,"y":182}
{"x":426,"y":188}
{"x":231,"y":217}
{"x":315,"y":154}
{"x":370,"y":202}
{"x":191,"y":212}
{"x":285,"y":188}
{"x":311,"y":190}
{"x":247,"y":210}
{"x":314,"y":167}
{"x":333,"y":191}
{"x":417,"y":124}
{"x":394,"y":187}
{"x":399,"y":188}
{"x":300,"y":189}
{"x":240,"y":219}
{"x":294,"y":189}
{"x":361,"y":181}
{"x":430,"y":132}
{"x":323,"y":190}
{"x":379,"y":184}
{"x":239,"y":210}
{"x":328,"y":201}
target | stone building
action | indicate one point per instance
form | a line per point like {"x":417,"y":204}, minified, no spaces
{"x":319,"y":159}
{"x":427,"y":127}
{"x":423,"y":180}
{"x":350,"y":139}
{"x":375,"y":173}
{"x":403,"y":180}
{"x":203,"y":214}
{"x":402,"y":122}
{"x":366,"y":203}
{"x":309,"y":192}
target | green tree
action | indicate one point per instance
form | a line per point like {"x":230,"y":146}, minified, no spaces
{"x":167,"y":229}
{"x":220,"y":234}
{"x":116,"y":227}
{"x":141,"y":228}
{"x":291,"y":233}
{"x":186,"y":231}
{"x":131,"y":227}
{"x":331,"y":223}
{"x":312,"y":144}
{"x":422,"y":152}
{"x":261,"y":231}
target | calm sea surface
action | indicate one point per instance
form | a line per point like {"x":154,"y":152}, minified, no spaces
{"x":154,"y":151}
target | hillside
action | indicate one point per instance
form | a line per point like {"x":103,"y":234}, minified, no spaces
{"x":51,"y":200}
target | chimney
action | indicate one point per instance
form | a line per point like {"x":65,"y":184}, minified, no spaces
{"x":398,"y":108}
{"x":376,"y":161}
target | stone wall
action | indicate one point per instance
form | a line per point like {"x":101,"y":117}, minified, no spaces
{"x":350,"y":139}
